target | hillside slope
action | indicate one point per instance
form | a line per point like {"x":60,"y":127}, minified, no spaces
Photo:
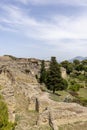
{"x":31,"y":108}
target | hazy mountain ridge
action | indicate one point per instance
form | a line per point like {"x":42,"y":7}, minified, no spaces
{"x":80,"y":58}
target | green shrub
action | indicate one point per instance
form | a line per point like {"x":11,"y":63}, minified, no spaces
{"x":9,"y":126}
{"x":80,"y":100}
{"x":3,"y":114}
{"x":74,"y":87}
{"x":4,"y":123}
{"x":72,"y":82}
{"x":81,"y":77}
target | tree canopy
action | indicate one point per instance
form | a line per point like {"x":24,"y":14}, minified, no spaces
{"x":54,"y":80}
{"x":42,"y":72}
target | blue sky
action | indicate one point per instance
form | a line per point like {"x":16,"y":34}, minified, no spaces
{"x":43,"y":28}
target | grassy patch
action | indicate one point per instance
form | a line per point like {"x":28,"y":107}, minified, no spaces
{"x":83,"y":93}
{"x":59,"y":96}
{"x":54,"y":97}
{"x":80,"y":100}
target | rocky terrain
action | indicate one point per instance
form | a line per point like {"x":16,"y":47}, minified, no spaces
{"x":31,"y":108}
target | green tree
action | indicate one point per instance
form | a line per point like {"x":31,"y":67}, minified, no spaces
{"x":74,"y":87}
{"x":65,"y":64}
{"x":42,"y":72}
{"x":76,"y":62}
{"x":84,"y":62}
{"x":79,"y":67}
{"x":68,"y":66}
{"x":63,"y":84}
{"x":54,"y":80}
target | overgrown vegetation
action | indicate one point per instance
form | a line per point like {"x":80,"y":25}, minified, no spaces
{"x":75,"y":83}
{"x":4,"y":123}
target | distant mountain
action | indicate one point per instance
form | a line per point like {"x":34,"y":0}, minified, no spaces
{"x":80,"y":58}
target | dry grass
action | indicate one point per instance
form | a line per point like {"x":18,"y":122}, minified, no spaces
{"x":75,"y":126}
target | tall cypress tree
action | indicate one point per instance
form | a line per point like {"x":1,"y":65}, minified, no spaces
{"x":54,"y":76}
{"x":42,"y":72}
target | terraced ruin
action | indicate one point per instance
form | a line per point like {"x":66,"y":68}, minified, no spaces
{"x":29,"y":106}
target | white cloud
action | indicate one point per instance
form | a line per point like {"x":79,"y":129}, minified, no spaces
{"x":46,"y":2}
{"x":59,"y":27}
